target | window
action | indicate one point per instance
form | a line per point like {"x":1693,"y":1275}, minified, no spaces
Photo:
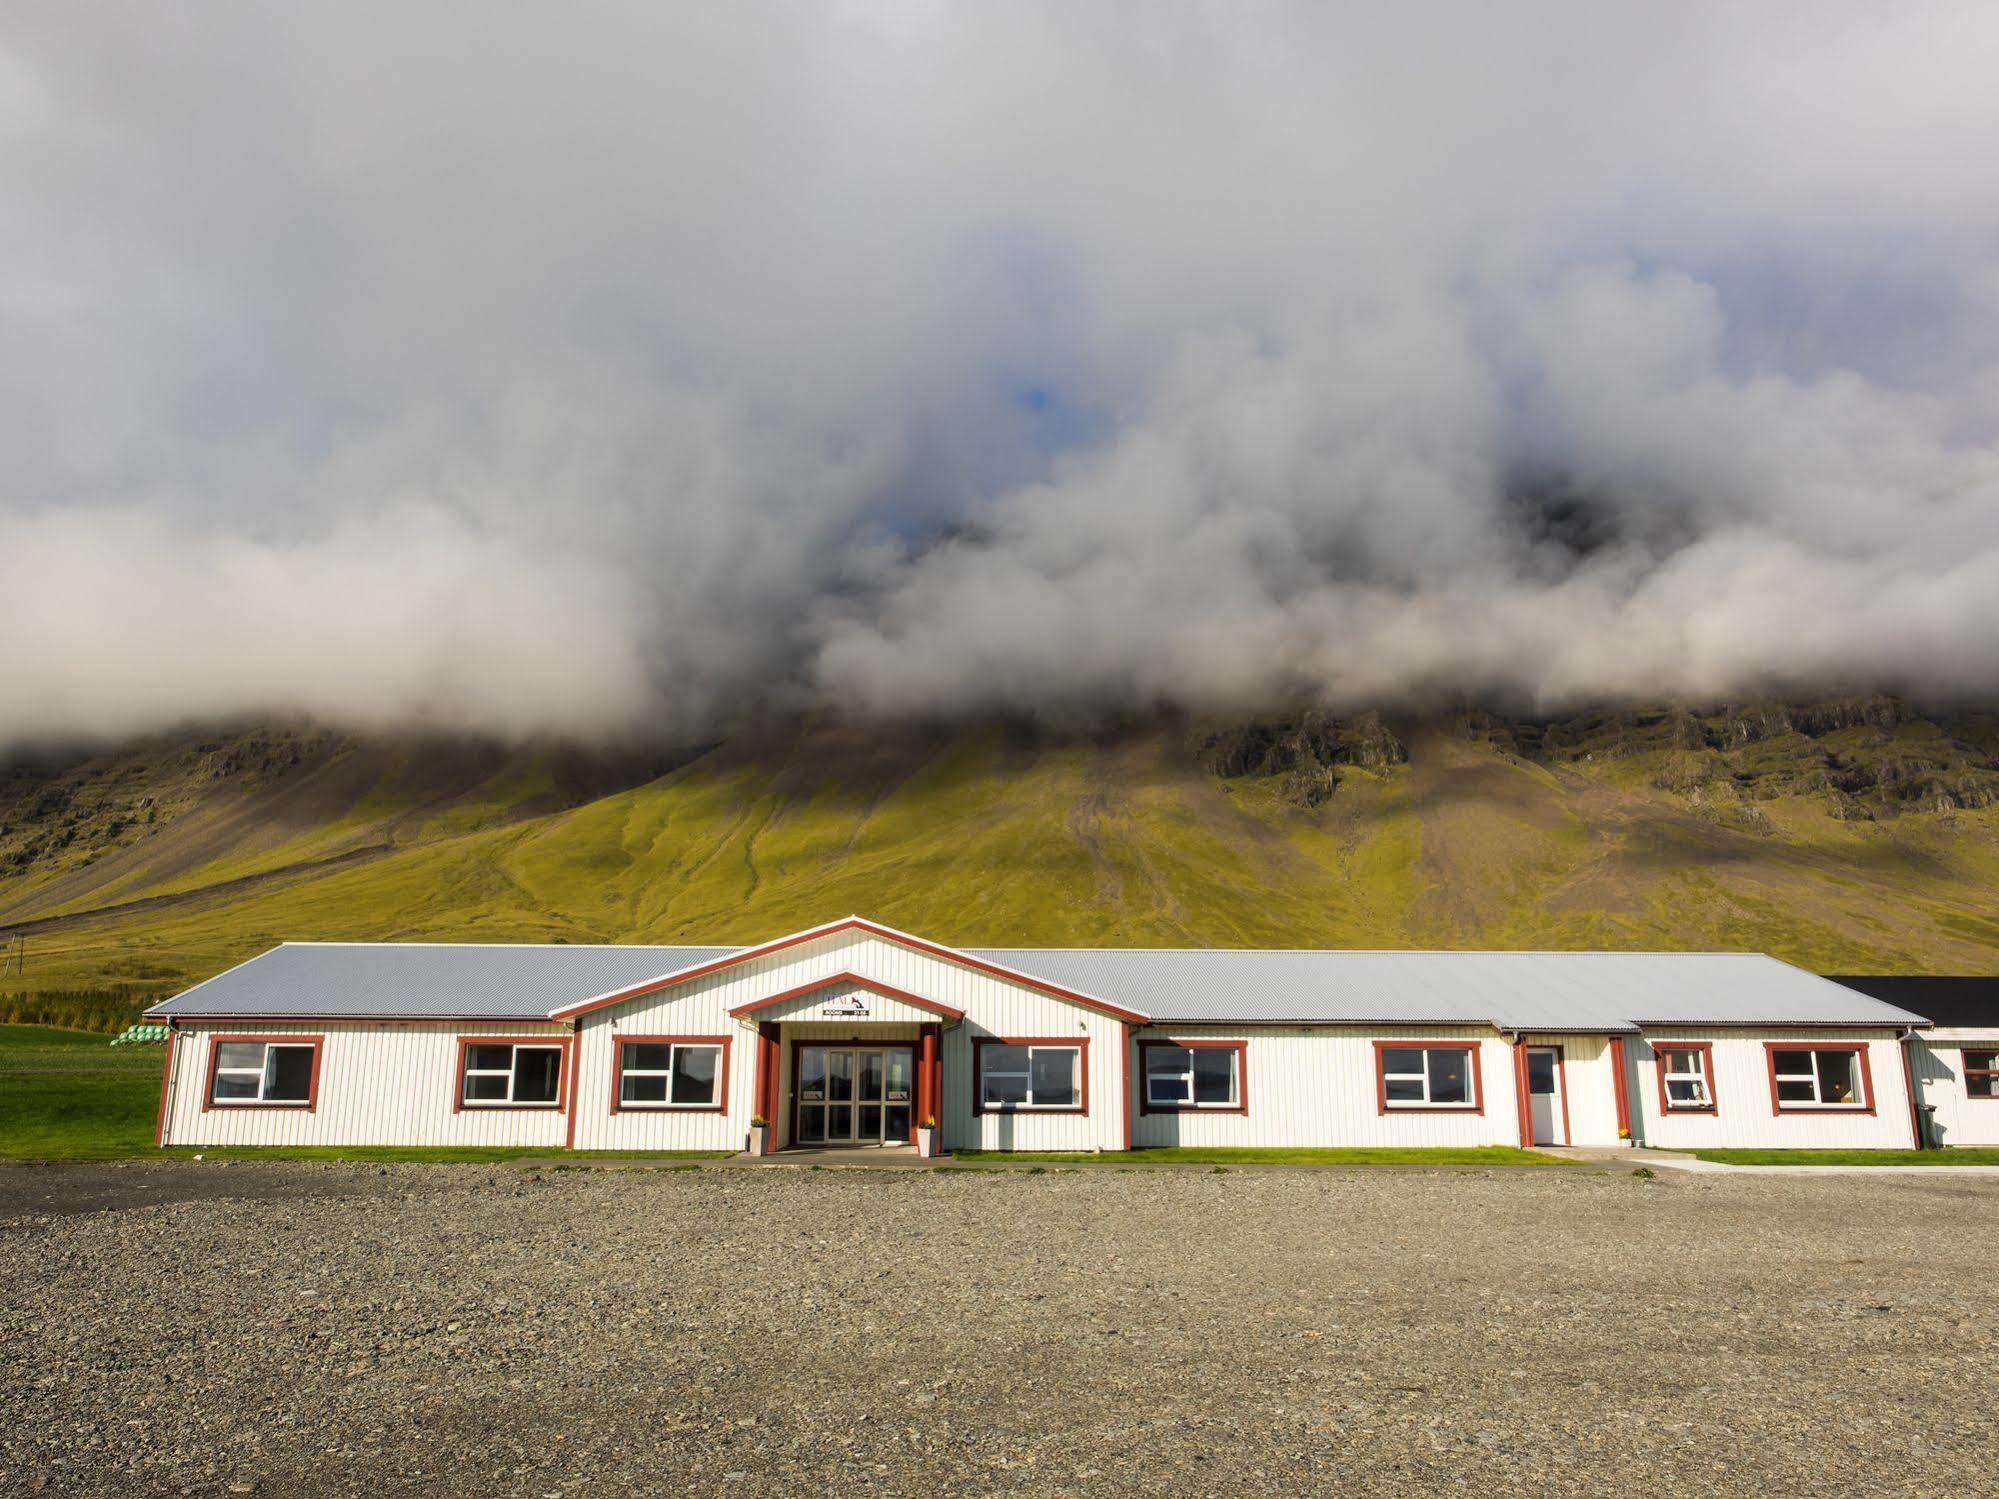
{"x":1192,"y":1075}
{"x":1686,"y":1077}
{"x":245,"y":1073}
{"x":510,"y":1074}
{"x":1031,"y":1074}
{"x":1981,"y":1074}
{"x":1819,"y":1078}
{"x":1427,"y":1077}
{"x":672,"y":1072}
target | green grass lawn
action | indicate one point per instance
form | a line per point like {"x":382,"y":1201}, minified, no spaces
{"x":1963,"y":1155}
{"x":71,"y":1095}
{"x":1362,"y":1155}
{"x":434,"y":1154}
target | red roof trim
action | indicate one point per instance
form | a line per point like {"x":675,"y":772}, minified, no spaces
{"x":852,"y":980}
{"x":833,"y":929}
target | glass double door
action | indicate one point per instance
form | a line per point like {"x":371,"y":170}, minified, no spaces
{"x":855,"y":1095}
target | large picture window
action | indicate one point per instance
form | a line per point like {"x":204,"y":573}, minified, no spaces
{"x":253,"y":1073}
{"x":1686,"y":1077}
{"x":1437,"y":1078}
{"x":1031,"y":1075}
{"x":1981,"y":1074}
{"x":510,"y":1074}
{"x":1819,"y":1077}
{"x":671,"y":1072}
{"x":1192,"y":1075}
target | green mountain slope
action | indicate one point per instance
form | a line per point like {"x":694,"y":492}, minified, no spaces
{"x":1849,"y":837}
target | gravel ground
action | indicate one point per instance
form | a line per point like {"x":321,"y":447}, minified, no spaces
{"x":312,"y":1329}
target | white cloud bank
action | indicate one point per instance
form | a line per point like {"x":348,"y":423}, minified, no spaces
{"x":597,"y":370}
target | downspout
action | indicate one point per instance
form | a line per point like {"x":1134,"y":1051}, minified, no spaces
{"x":575,"y":1081}
{"x":1908,"y":1041}
{"x":1130,"y":1033}
{"x":169,"y":1084}
{"x":944,"y":1028}
{"x":1623,"y":1091}
{"x":1520,"y":1100}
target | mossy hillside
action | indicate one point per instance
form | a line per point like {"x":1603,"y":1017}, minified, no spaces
{"x":987,"y":835}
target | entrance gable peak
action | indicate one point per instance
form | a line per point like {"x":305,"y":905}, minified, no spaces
{"x":860,"y":924}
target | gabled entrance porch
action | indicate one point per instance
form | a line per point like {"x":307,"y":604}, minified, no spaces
{"x":847,"y":1063}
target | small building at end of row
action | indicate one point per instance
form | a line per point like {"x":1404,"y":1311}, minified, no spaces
{"x":1954,"y":1058}
{"x":855,"y":1034}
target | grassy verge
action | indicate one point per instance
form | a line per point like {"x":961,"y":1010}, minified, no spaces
{"x":1962,"y":1155}
{"x":1190,"y":1155}
{"x":431,"y":1154}
{"x":71,"y":1095}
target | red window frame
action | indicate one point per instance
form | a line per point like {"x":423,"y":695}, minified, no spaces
{"x":619,"y":1106}
{"x":979,"y":1045}
{"x":1383,"y":1106}
{"x":1861,"y":1048}
{"x":1706,"y":1050}
{"x":564,"y":1078}
{"x":215,"y":1044}
{"x":1990,"y":1072}
{"x":1240,"y":1048}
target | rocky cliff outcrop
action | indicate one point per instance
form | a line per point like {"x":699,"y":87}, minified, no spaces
{"x":1308,"y":751}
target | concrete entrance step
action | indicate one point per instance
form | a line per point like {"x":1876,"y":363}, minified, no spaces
{"x":872,"y":1157}
{"x":1630,"y":1155}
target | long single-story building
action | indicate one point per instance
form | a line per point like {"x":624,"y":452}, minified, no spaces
{"x":853,"y":1033}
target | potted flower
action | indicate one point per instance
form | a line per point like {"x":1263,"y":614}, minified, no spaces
{"x":759,"y":1135}
{"x":926,"y":1135}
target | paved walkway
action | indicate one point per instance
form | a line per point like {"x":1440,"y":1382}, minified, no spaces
{"x":1641,"y":1155}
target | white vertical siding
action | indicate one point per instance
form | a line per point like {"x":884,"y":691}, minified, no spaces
{"x":1745,"y":1118}
{"x":599,"y":1127}
{"x":1939,"y":1061}
{"x":378,"y":1085}
{"x":1319,"y":1087}
{"x":1099,"y":1127}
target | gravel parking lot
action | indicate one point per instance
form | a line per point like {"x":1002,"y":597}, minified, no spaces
{"x":311,"y":1329}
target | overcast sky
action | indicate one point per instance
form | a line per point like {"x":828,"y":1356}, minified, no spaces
{"x":597,"y":369}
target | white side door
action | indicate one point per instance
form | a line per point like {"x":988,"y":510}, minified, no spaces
{"x":1544,"y":1095}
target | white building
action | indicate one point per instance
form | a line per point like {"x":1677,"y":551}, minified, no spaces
{"x":1956,"y":1059}
{"x":853,"y":1033}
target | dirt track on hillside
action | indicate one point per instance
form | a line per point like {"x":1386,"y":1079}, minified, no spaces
{"x":332,"y":1329}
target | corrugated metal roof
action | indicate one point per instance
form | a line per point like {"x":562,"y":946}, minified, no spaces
{"x":1569,"y":991}
{"x":1963,"y":1003}
{"x":1594,"y":992}
{"x":399,"y":980}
